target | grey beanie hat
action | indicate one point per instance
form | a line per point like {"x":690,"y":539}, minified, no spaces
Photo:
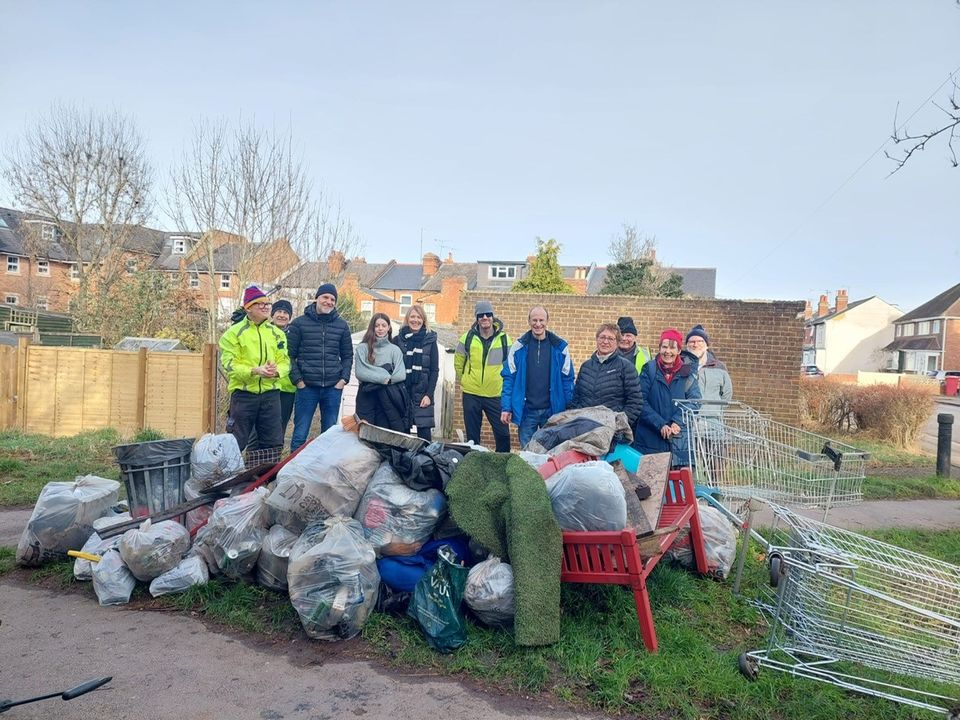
{"x":484,"y":306}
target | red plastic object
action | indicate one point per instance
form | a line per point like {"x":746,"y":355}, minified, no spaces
{"x":558,"y":462}
{"x":613,"y":558}
{"x":951,"y":385}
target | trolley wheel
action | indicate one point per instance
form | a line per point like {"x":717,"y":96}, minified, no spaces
{"x":953,"y":714}
{"x":777,"y":570}
{"x":748,"y":667}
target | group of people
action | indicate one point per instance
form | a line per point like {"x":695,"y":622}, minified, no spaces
{"x":532,"y":378}
{"x":278,"y":366}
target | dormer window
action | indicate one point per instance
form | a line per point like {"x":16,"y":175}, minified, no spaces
{"x":503,"y":272}
{"x":179,"y":246}
{"x":48,"y":232}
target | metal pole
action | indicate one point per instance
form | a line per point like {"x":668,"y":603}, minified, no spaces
{"x":944,"y":438}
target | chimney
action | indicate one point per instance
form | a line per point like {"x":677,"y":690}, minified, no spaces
{"x":530,"y":259}
{"x":431,"y":263}
{"x":808,"y":311}
{"x":336,"y":262}
{"x":449,"y":260}
{"x":841,"y":300}
{"x":823,"y":308}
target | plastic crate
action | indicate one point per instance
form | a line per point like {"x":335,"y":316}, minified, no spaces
{"x":154,"y":474}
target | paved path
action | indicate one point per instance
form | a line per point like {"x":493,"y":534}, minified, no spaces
{"x":877,"y":514}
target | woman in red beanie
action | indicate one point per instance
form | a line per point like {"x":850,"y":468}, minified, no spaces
{"x":663,"y":380}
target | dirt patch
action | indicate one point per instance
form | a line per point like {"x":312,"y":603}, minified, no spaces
{"x":900,"y":471}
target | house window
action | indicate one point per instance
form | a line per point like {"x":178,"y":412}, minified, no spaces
{"x":908,"y":329}
{"x":923,"y":328}
{"x":194,"y":280}
{"x":74,"y":271}
{"x":224,"y":282}
{"x":406,"y":302}
{"x":893,"y":360}
{"x":820,"y":332}
{"x":899,"y":330}
{"x":503,"y":272}
{"x":366,"y":308}
{"x":131,"y":266}
{"x":11,"y":299}
{"x":48,"y":232}
{"x":43,"y":267}
{"x":931,"y":363}
{"x":42,"y":303}
{"x":935,"y":326}
{"x":13,"y":265}
{"x":430,"y":310}
{"x":580,"y":274}
{"x":179,"y":246}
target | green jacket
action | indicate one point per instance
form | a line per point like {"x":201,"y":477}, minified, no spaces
{"x":640,"y":356}
{"x":478,"y":365}
{"x":245,"y":346}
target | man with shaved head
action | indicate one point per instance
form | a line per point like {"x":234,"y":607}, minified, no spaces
{"x":537,"y":377}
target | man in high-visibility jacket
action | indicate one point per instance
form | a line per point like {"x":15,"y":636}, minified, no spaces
{"x":478,"y":362}
{"x":637,"y":354}
{"x":253,"y":351}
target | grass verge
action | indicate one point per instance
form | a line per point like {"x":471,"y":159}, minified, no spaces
{"x":909,"y":487}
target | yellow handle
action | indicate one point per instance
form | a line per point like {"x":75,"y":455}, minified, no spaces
{"x":83,"y":555}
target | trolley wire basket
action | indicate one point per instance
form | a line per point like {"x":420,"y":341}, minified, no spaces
{"x":739,"y":453}
{"x":844,"y":602}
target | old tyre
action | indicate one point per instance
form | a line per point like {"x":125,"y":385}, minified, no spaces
{"x":748,"y":666}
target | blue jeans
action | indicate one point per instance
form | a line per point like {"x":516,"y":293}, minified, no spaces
{"x":532,"y":421}
{"x":305,"y":403}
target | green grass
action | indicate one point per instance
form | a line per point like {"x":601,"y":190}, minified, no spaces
{"x":909,"y":487}
{"x":940,"y":544}
{"x":885,"y":454}
{"x":28,"y":462}
{"x":7,"y":558}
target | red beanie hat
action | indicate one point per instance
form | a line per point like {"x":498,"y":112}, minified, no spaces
{"x":251,"y":295}
{"x":672,"y":334}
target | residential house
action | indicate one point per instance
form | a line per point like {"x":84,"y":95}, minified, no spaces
{"x":850,"y":336}
{"x":927,"y":338}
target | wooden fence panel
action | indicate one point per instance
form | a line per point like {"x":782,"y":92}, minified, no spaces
{"x":173,"y":395}
{"x":8,"y":387}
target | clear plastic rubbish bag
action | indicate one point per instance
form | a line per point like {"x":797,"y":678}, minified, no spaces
{"x":198,"y":516}
{"x":153,"y":548}
{"x":274,"y":558}
{"x":112,"y":580}
{"x":394,"y":516}
{"x":333,"y":579}
{"x":231,"y":540}
{"x":214,"y":458}
{"x":588,"y":496}
{"x":190,"y":571}
{"x":95,"y":545}
{"x":63,"y":518}
{"x":719,"y":542}
{"x":489,"y":593}
{"x":327,"y":477}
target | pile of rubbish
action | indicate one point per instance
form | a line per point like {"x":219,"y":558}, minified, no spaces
{"x":348,"y":527}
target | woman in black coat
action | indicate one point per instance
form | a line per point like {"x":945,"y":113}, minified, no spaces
{"x":420,"y":356}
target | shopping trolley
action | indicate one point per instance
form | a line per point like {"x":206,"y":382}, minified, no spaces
{"x":843,"y":600}
{"x":739,"y":453}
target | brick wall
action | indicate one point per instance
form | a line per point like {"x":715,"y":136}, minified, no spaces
{"x":761,"y":342}
{"x":28,"y":286}
{"x":951,"y":345}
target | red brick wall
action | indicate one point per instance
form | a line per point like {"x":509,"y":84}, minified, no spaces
{"x":761,"y":342}
{"x":951,"y":346}
{"x":28,"y":286}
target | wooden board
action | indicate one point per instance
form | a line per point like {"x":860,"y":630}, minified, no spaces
{"x":653,"y":472}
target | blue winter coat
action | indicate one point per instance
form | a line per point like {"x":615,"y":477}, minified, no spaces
{"x":659,"y":409}
{"x":513,"y":396}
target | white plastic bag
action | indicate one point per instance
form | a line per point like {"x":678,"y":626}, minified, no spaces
{"x":534,"y":460}
{"x":153,"y":548}
{"x":83,"y":569}
{"x":327,"y":478}
{"x":190,"y":571}
{"x":588,"y":496}
{"x":719,"y":541}
{"x":112,"y":581}
{"x":63,"y":518}
{"x":333,"y":579}
{"x":392,"y":514}
{"x":231,"y":540}
{"x":274,"y":558}
{"x":489,"y":593}
{"x":214,"y":458}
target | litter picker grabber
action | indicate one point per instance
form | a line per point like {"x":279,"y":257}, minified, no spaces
{"x":70,"y":694}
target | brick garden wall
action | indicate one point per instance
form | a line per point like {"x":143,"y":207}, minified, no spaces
{"x":761,"y":342}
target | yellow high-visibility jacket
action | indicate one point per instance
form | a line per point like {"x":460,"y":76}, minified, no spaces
{"x":479,"y":373}
{"x":245,"y":346}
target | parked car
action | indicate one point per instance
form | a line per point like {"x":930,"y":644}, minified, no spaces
{"x":811,"y":371}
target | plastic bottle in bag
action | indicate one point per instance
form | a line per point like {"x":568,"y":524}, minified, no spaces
{"x":153,"y":548}
{"x":214,"y":458}
{"x":274,"y":558}
{"x":190,"y":571}
{"x":489,"y":593}
{"x":234,"y":534}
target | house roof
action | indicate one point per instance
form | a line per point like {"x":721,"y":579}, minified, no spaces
{"x":226,"y":258}
{"x":312,"y":273}
{"x":937,"y":307}
{"x":378,"y":296}
{"x":699,"y":282}
{"x":468,"y":271}
{"x":915,"y":343}
{"x":832,"y":314}
{"x":400,"y":277}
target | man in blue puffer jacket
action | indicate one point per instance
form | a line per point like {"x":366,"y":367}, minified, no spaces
{"x":537,"y":377}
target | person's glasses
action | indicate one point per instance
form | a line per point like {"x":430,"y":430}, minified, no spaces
{"x":261,"y":305}
{"x":606,"y":338}
{"x":484,"y":315}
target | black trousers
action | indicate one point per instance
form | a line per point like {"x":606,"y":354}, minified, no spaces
{"x":258,"y":412}
{"x":474,"y":408}
{"x":286,"y":410}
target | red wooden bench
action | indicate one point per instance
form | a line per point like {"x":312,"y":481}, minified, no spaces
{"x":615,"y":558}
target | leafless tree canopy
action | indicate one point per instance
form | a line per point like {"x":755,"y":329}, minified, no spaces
{"x":629,"y":245}
{"x":949,"y":128}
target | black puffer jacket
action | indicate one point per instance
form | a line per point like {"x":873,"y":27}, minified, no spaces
{"x":612,"y":383}
{"x":321,"y":352}
{"x":423,"y":369}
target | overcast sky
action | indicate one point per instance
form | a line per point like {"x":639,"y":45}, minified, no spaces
{"x":721,"y":128}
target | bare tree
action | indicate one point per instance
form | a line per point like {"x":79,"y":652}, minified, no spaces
{"x":88,"y":174}
{"x":635,"y":254}
{"x":913,"y":142}
{"x":630,"y":246}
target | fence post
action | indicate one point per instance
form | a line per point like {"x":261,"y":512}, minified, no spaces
{"x":23,"y":345}
{"x":141,"y":387}
{"x":944,"y":438}
{"x":209,"y":388}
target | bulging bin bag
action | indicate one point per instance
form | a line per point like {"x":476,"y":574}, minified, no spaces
{"x":214,"y":458}
{"x":63,"y":518}
{"x":588,"y":496}
{"x":489,"y":593}
{"x":327,"y":478}
{"x":190,"y":571}
{"x":274,"y":558}
{"x":719,"y":542}
{"x":436,"y":602}
{"x":232,"y":538}
{"x":112,"y":581}
{"x":153,"y":548}
{"x":198,"y":516}
{"x":333,"y":579}
{"x":396,"y":519}
{"x":83,"y":569}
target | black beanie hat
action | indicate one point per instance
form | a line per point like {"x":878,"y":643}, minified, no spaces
{"x":281,"y":305}
{"x":626,"y":325}
{"x":697,"y":331}
{"x":327,"y":288}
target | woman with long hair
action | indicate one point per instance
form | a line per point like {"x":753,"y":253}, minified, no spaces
{"x":422,"y":361}
{"x":382,"y":399}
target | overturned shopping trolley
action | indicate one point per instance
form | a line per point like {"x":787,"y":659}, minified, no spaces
{"x":739,"y":453}
{"x":845,"y":602}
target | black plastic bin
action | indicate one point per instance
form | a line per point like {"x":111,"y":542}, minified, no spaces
{"x":154,"y":474}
